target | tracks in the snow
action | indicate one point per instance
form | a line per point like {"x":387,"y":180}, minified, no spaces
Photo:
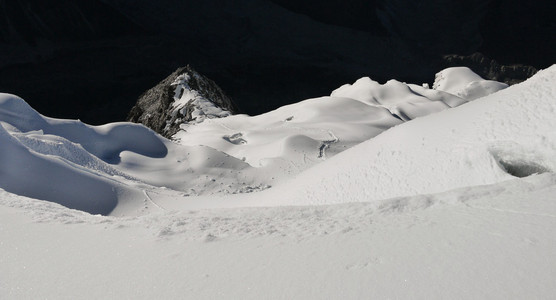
{"x":326,"y":144}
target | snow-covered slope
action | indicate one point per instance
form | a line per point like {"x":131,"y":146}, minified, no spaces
{"x":496,"y":138}
{"x":458,"y":205}
{"x":493,"y":242}
{"x":126,"y":164}
{"x":304,"y":133}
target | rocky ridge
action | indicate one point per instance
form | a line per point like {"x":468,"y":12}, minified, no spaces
{"x":184,"y":97}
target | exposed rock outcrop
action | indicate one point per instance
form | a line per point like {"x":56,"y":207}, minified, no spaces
{"x":184,"y":97}
{"x":489,"y":68}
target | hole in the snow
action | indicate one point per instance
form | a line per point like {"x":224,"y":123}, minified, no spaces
{"x":522,"y":169}
{"x":517,"y":160}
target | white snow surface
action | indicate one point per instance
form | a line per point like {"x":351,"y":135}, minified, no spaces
{"x":127,"y":164}
{"x":378,"y":191}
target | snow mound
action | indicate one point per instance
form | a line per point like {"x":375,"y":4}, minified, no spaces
{"x":105,"y":141}
{"x":499,"y":137}
{"x":464,"y":83}
{"x":29,"y":173}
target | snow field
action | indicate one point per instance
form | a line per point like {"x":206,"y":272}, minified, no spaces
{"x":492,"y":241}
{"x":127,"y":165}
{"x":455,"y":205}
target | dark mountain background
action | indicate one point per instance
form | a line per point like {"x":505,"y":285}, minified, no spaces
{"x":92,"y":59}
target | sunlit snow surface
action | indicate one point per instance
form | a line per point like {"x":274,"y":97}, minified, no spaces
{"x":126,"y":164}
{"x":429,"y":202}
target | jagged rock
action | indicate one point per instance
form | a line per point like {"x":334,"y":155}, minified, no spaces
{"x":489,"y":68}
{"x":184,"y":97}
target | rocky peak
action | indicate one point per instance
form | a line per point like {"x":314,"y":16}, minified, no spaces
{"x":185,"y":97}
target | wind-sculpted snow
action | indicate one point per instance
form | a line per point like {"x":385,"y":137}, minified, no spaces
{"x":385,"y":232}
{"x":105,"y":142}
{"x":462,"y":82}
{"x":310,"y":129}
{"x":46,"y":177}
{"x":93,"y":168}
{"x":141,"y":171}
{"x":502,"y":136}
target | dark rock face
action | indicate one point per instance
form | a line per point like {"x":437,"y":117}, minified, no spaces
{"x":520,"y":32}
{"x":489,"y":68}
{"x":356,"y":14}
{"x":158,"y":109}
{"x":34,"y":21}
{"x":77,"y":59}
{"x":433,"y":27}
{"x":91,"y":59}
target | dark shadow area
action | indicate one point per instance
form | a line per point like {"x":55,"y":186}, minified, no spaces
{"x":522,"y":169}
{"x":92,"y":59}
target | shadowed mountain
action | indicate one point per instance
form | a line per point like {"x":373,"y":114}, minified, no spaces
{"x":33,"y":21}
{"x":92,"y":59}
